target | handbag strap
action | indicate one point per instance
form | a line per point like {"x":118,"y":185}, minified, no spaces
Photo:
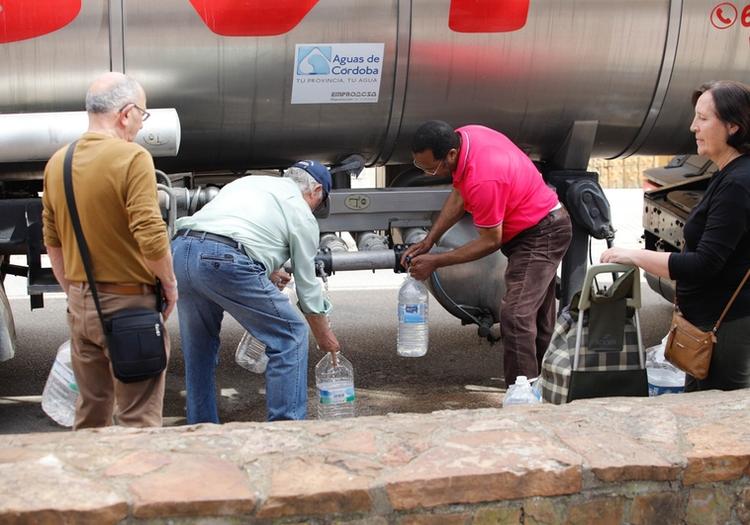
{"x":729,"y":304}
{"x":82,"y":246}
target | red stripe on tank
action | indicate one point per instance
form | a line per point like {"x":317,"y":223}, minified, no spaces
{"x":24,"y":19}
{"x":487,"y":16}
{"x":252,"y":17}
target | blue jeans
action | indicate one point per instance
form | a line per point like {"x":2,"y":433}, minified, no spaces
{"x":213,"y":278}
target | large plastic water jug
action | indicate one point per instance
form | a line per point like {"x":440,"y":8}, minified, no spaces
{"x":413,"y":310}
{"x":61,"y":390}
{"x":335,"y":385}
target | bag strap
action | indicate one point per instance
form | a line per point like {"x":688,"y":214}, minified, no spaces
{"x":82,"y":246}
{"x":729,"y":304}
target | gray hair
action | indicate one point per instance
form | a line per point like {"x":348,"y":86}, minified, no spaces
{"x":122,"y":90}
{"x":304,"y":180}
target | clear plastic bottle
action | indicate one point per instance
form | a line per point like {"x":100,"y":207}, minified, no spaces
{"x":536,"y":387}
{"x":61,"y":391}
{"x":520,"y":393}
{"x":335,"y":386}
{"x":251,"y":354}
{"x":413,"y":319}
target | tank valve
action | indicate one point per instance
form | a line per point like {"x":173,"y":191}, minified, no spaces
{"x":398,"y":250}
{"x":320,"y":270}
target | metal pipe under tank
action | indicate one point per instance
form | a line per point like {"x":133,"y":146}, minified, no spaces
{"x":29,"y":137}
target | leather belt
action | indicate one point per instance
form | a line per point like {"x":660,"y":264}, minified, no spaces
{"x":223,"y":239}
{"x":123,"y":288}
{"x":559,"y":209}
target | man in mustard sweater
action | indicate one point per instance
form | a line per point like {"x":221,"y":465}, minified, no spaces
{"x":115,"y":193}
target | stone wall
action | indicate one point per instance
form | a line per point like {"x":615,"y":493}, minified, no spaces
{"x":625,"y":173}
{"x":674,"y":459}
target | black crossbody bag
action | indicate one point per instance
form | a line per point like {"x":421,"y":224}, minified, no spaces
{"x":135,"y":336}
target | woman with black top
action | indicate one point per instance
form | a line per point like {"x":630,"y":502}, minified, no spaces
{"x":717,"y":237}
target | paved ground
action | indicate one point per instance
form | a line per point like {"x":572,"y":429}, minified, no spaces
{"x":460,"y":370}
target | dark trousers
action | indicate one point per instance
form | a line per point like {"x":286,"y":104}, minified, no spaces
{"x":527,"y":316}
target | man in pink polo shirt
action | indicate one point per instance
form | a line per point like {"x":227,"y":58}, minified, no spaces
{"x":513,"y":210}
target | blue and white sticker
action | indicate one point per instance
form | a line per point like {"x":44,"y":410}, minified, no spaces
{"x":337,"y":73}
{"x":336,"y":396}
{"x":412,"y":313}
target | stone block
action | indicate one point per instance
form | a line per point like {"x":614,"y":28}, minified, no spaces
{"x":137,"y":464}
{"x":354,"y":442}
{"x":743,"y":506}
{"x":541,"y":511}
{"x":708,"y":506}
{"x":193,"y":485}
{"x":495,"y":516}
{"x":664,"y":508}
{"x":485,"y":466}
{"x":602,"y":511}
{"x":718,"y":453}
{"x":310,"y":486}
{"x":435,"y":519}
{"x":18,"y":454}
{"x":629,"y":460}
{"x":374,"y":520}
{"x":46,"y":491}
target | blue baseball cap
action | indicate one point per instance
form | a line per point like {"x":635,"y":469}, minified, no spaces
{"x":318,"y":172}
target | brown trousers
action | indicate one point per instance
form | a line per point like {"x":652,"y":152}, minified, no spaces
{"x":101,"y":395}
{"x":527,"y":316}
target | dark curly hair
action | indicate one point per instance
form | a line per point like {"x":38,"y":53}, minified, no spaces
{"x":732,"y":101}
{"x":437,"y":136}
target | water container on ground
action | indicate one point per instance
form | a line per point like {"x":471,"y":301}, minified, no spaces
{"x":663,"y":376}
{"x":61,"y":391}
{"x":520,"y":393}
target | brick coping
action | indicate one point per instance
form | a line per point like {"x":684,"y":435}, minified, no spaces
{"x":384,"y":466}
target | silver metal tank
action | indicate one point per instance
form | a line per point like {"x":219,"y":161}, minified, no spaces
{"x":628,"y":65}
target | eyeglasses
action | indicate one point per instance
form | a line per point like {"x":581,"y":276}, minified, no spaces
{"x":144,"y":114}
{"x":431,"y":173}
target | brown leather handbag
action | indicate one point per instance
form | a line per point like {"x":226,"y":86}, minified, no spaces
{"x":688,"y":347}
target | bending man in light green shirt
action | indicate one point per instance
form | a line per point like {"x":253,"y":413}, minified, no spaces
{"x":225,"y":258}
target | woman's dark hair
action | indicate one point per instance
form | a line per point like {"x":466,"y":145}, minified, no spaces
{"x":437,"y":136}
{"x":732,"y":101}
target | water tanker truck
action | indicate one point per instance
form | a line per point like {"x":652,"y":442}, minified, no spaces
{"x":240,"y":87}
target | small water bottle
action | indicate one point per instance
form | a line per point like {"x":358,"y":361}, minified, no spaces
{"x":251,"y":354}
{"x":61,"y":390}
{"x":335,"y":386}
{"x":413,"y":332}
{"x":520,"y":393}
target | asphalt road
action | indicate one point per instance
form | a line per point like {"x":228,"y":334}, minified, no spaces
{"x":459,"y":371}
